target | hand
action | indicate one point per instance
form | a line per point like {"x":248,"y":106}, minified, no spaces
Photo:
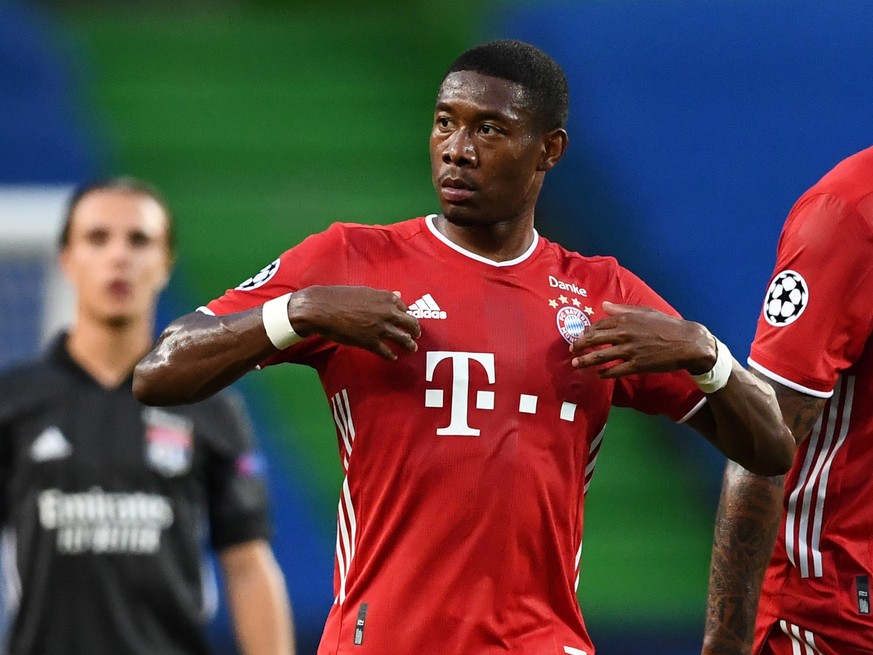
{"x":355,"y":316}
{"x":637,"y":339}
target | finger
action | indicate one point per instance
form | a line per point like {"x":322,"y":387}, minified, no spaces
{"x":598,"y":357}
{"x":592,"y":338}
{"x":383,"y":350}
{"x":617,"y":370}
{"x":613,"y":308}
{"x":408,"y":324}
{"x":398,"y":302}
{"x":403,"y":339}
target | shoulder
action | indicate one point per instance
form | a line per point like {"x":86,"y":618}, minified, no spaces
{"x":844,"y":195}
{"x":344,"y":236}
{"x":573,"y":258}
{"x":27,"y":385}
{"x":602,"y":277}
{"x":221,"y":420}
{"x":375,"y":233}
{"x":602,"y":268}
{"x":823,"y":219}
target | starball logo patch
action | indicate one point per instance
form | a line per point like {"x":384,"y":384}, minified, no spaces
{"x":787,"y":297}
{"x":261,"y":277}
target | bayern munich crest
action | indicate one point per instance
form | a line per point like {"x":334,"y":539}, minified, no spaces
{"x":263,"y":276}
{"x":786,"y":299}
{"x":571,"y":323}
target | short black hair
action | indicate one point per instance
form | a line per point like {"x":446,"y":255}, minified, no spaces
{"x":125,"y":184}
{"x":515,"y":61}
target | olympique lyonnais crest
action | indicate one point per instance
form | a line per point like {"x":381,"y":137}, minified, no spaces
{"x":169,"y":441}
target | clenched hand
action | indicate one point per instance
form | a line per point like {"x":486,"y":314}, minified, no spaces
{"x":355,"y":316}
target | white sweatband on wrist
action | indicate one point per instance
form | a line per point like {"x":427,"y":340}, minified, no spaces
{"x":274,"y":314}
{"x":718,"y":375}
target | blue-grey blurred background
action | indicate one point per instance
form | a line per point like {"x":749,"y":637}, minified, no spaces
{"x":694,"y":125}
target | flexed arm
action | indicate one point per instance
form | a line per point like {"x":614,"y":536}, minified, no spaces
{"x":746,"y":528}
{"x":198,"y":354}
{"x":741,"y":418}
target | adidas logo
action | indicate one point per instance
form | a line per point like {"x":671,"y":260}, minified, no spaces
{"x":426,"y":307}
{"x":50,"y":444}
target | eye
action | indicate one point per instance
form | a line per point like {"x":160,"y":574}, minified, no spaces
{"x":139,"y":239}
{"x":443,"y":122}
{"x":487,"y":129}
{"x":97,"y":237}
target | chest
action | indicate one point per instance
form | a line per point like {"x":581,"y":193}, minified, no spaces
{"x":87,"y":437}
{"x":493,"y":353}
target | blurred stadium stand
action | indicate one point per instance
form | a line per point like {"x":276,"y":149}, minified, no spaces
{"x":694,"y":125}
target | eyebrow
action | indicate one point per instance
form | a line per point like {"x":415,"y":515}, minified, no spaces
{"x":136,"y":232}
{"x":482,"y":115}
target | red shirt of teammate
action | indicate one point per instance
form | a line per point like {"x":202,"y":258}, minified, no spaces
{"x":814,"y":336}
{"x":467,"y":462}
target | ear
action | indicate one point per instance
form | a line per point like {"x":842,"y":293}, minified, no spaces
{"x":554,"y":146}
{"x":64,"y":261}
{"x":170,"y":264}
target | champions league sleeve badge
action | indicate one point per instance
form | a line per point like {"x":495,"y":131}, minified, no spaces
{"x":261,"y":278}
{"x":169,"y":441}
{"x":786,"y":298}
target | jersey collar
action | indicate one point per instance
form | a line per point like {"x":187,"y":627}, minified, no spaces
{"x":58,"y":353}
{"x":429,"y":221}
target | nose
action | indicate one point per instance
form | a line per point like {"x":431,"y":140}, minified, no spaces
{"x":460,"y":150}
{"x":119,"y":251}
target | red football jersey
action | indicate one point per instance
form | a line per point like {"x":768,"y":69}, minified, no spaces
{"x":814,"y":336}
{"x":460,"y":516}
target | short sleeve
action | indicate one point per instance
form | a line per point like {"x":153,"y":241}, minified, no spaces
{"x":673,"y":394}
{"x":320,"y":259}
{"x":7,"y":416}
{"x":817,"y":313}
{"x":238,"y":500}
{"x":5,"y":469}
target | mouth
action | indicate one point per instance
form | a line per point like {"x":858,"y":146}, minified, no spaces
{"x":118,"y":288}
{"x":456,"y":189}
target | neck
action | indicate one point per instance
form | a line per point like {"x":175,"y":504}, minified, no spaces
{"x":500,"y":241}
{"x":109,"y":352}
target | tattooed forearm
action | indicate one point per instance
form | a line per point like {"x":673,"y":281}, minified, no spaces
{"x":800,"y":411}
{"x":746,"y":528}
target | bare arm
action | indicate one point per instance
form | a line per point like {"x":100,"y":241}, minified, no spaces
{"x":198,"y":355}
{"x":742,"y":419}
{"x":746,"y":528}
{"x":258,"y":600}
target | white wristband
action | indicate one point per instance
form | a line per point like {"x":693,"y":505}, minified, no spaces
{"x":718,"y":375}
{"x":274,"y":315}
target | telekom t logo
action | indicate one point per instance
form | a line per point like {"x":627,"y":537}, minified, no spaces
{"x":461,"y":363}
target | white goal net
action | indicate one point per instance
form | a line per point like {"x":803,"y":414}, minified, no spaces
{"x":35,"y":300}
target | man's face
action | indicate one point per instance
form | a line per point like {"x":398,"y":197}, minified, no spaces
{"x":117,"y":256}
{"x":485,"y":151}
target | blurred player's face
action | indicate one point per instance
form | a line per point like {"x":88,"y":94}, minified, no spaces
{"x":487,"y":157}
{"x":117,"y":256}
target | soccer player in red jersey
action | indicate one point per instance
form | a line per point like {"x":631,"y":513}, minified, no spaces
{"x":470,"y":365}
{"x":813,"y":346}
